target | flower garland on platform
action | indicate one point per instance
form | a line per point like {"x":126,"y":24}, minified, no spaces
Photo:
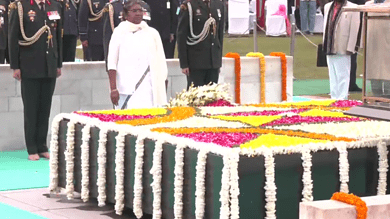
{"x":120,"y":172}
{"x":307,"y":191}
{"x":156,"y":172}
{"x":234,"y":187}
{"x":54,"y":154}
{"x":270,"y":186}
{"x":179,"y":180}
{"x":262,"y":73}
{"x":86,"y":136}
{"x":69,"y":158}
{"x":237,"y":73}
{"x":102,"y":160}
{"x":343,"y":167}
{"x":224,"y":195}
{"x":139,"y":150}
{"x":200,"y":184}
{"x":283,"y":60}
{"x":361,"y":207}
{"x":383,"y":168}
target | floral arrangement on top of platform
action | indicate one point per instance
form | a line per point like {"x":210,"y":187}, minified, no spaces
{"x":226,"y":129}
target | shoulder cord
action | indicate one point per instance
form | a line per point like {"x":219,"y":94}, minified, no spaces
{"x":29,"y":41}
{"x":111,"y":13}
{"x":195,"y":39}
{"x":96,"y":16}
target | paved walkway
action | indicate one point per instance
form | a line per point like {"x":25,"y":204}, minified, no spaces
{"x":39,"y":202}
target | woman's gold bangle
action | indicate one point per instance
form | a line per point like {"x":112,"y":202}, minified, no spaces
{"x":114,"y":90}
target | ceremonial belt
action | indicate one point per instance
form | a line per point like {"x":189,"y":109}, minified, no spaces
{"x":136,"y":87}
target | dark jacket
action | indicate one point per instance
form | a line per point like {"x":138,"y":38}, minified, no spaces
{"x":207,"y":54}
{"x":164,"y":19}
{"x":91,"y":30}
{"x":41,"y":59}
{"x":70,"y":20}
{"x":3,"y":24}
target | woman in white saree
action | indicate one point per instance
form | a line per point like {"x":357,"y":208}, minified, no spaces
{"x":136,"y":62}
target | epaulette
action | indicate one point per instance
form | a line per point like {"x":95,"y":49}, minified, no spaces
{"x":184,"y":6}
{"x":12,"y":5}
{"x":105,"y":9}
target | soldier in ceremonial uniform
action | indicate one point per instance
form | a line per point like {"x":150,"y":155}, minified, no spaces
{"x":165,"y":16}
{"x":71,"y":32}
{"x":3,"y":30}
{"x":91,"y":27}
{"x":199,"y":39}
{"x":35,"y":45}
{"x":112,"y":16}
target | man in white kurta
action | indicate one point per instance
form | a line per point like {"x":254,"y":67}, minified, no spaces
{"x":133,"y":48}
{"x":340,"y":36}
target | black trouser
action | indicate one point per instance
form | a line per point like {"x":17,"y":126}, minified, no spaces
{"x":202,"y":77}
{"x":4,"y":57}
{"x":169,"y":48}
{"x":37,"y":96}
{"x":352,"y":78}
{"x":96,"y":52}
{"x":69,"y":48}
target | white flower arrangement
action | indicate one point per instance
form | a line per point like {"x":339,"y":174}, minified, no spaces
{"x":224,"y":194}
{"x":178,"y":182}
{"x":383,"y":168}
{"x":200,"y":96}
{"x":200,"y":184}
{"x":270,"y":186}
{"x":102,"y":159}
{"x":343,"y":167}
{"x":234,"y":187}
{"x":86,"y":136}
{"x":156,"y":172}
{"x":120,"y":173}
{"x":53,"y":187}
{"x":307,"y":190}
{"x":69,"y":157}
{"x":139,"y":149}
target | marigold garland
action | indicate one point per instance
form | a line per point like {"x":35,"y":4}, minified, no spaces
{"x":177,"y":113}
{"x":361,"y":207}
{"x":237,"y":72}
{"x":262,"y":73}
{"x":283,"y":60}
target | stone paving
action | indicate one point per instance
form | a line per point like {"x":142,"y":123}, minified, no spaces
{"x":38,"y":201}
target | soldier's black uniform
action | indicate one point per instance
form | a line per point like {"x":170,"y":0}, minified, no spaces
{"x":165,"y":18}
{"x":3,"y":31}
{"x":109,"y":23}
{"x":203,"y":59}
{"x":38,"y":64}
{"x":91,"y":27}
{"x":71,"y":32}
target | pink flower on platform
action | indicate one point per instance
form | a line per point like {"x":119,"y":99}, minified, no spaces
{"x":220,"y":102}
{"x":309,"y":119}
{"x":266,"y":112}
{"x":223,"y":139}
{"x":346,"y":103}
{"x":113,"y":117}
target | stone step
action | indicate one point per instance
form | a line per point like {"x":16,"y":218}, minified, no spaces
{"x":378,"y":208}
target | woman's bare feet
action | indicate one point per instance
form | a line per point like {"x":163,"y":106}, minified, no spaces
{"x":45,"y":155}
{"x":33,"y":157}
